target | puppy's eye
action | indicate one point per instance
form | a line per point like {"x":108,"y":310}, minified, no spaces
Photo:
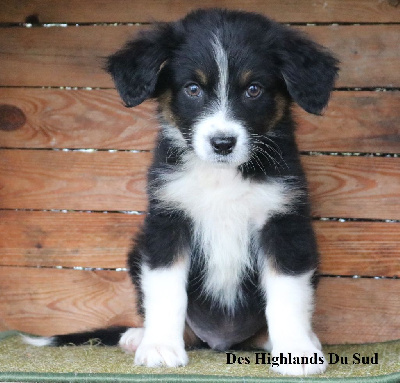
{"x":253,"y":91}
{"x":193,"y":90}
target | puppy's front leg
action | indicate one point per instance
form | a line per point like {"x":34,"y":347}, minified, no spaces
{"x":165,"y":303}
{"x":289,"y":310}
{"x":289,"y":260}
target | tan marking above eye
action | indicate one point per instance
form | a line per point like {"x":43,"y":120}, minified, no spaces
{"x":201,"y":76}
{"x":245,"y":77}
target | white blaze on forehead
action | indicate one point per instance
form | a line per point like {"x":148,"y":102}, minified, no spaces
{"x":217,"y":120}
{"x":221,"y":59}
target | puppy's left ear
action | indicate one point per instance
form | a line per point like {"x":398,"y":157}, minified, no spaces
{"x":309,"y":71}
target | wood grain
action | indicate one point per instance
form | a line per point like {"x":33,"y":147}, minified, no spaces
{"x":359,"y":248}
{"x":357,"y":310}
{"x":78,"y":11}
{"x":353,"y":122}
{"x":48,"y":301}
{"x":354,"y":187}
{"x":73,"y":180}
{"x":98,"y":240}
{"x":59,"y":56}
{"x":359,"y":121}
{"x":78,"y":119}
{"x":30,"y":57}
{"x":351,"y":187}
{"x":49,"y":239}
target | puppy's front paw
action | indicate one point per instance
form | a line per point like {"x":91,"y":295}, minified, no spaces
{"x":156,"y":355}
{"x":131,"y":339}
{"x":299,"y":361}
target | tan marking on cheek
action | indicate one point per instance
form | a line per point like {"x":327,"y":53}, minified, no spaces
{"x":169,"y":117}
{"x":280,"y":107}
{"x":202,"y":76}
{"x":165,"y":99}
{"x":164,"y":102}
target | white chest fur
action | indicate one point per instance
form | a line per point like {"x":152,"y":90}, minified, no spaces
{"x":226,"y":211}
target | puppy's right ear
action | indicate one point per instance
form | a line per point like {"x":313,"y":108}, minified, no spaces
{"x":135,"y":67}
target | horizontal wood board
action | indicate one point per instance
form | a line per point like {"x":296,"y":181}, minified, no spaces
{"x":351,"y":187}
{"x":98,"y":240}
{"x":78,"y":11}
{"x":75,"y":56}
{"x":60,"y":301}
{"x":354,"y":187}
{"x":354,"y":121}
{"x":73,"y":180}
{"x":47,"y":301}
{"x":357,"y":310}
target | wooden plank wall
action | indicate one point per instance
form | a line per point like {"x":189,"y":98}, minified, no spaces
{"x":72,"y":163}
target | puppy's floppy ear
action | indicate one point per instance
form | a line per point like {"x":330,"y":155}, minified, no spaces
{"x":135,"y":67}
{"x":309,"y":71}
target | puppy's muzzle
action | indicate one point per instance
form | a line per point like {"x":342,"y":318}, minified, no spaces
{"x":223,"y":145}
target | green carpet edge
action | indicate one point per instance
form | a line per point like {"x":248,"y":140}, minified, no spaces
{"x":68,"y":377}
{"x":122,"y":378}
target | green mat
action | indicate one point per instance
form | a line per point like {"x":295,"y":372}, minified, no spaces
{"x":23,"y":363}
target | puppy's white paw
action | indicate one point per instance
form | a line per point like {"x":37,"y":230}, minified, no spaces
{"x":313,"y":361}
{"x":156,"y":355}
{"x":131,"y":339}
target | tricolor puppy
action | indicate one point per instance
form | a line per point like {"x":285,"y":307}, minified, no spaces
{"x":227,"y":247}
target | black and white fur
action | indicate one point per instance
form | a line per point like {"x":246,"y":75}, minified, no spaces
{"x":227,"y":246}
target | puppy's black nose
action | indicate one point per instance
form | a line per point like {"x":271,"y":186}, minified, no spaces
{"x":223,"y":145}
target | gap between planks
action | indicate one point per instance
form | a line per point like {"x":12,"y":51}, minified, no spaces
{"x":139,"y":24}
{"x":124,"y":269}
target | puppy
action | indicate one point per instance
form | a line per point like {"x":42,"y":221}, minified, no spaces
{"x":227,"y":246}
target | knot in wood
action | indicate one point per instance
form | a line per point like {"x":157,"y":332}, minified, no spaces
{"x":11,"y":117}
